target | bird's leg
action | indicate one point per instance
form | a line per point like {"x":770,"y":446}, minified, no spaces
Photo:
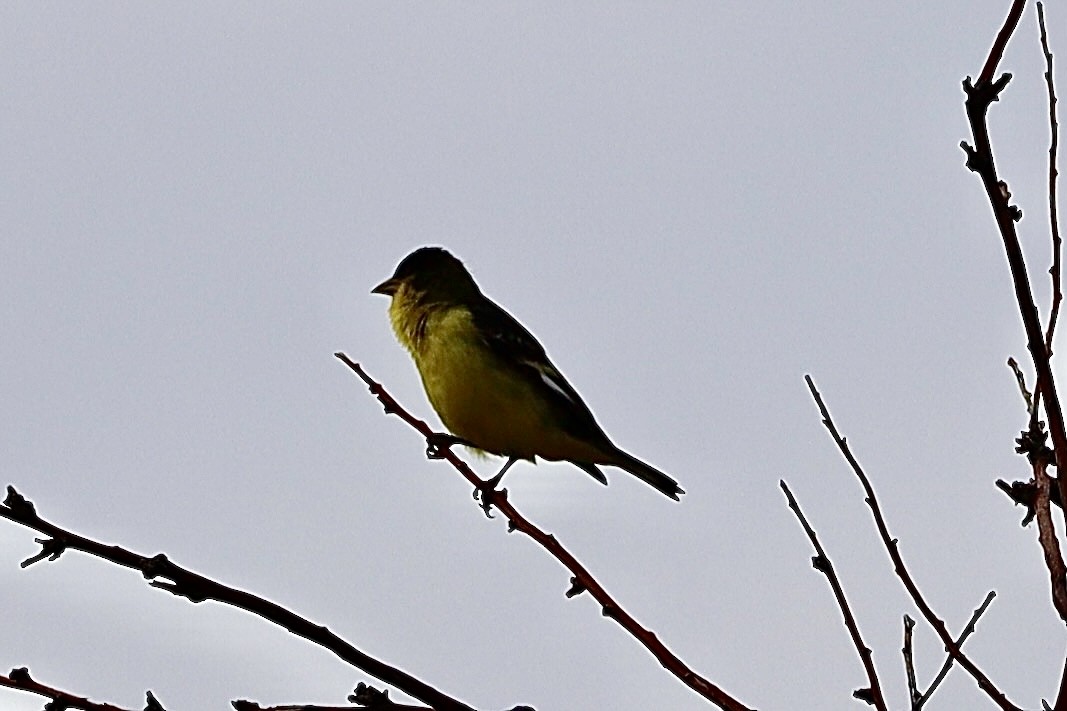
{"x":487,"y":490}
{"x":439,"y":442}
{"x":492,"y":483}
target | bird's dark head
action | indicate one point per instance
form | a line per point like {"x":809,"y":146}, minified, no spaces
{"x":429,"y":271}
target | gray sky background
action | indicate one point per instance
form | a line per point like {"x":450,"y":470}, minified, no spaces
{"x":691,"y":204}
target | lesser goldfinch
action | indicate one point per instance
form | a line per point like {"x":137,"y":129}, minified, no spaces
{"x":489,"y":379}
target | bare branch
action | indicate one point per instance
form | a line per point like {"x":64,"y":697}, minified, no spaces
{"x":909,"y":663}
{"x":980,"y":160}
{"x":182,"y":582}
{"x":821,"y":562}
{"x":582,"y":581}
{"x":898,"y":563}
{"x":1053,"y":213}
{"x":20,"y":679}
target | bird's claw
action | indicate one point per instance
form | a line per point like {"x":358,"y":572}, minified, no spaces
{"x":438,"y":444}
{"x":487,"y":493}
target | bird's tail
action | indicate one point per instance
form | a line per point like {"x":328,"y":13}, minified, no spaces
{"x":648,"y":474}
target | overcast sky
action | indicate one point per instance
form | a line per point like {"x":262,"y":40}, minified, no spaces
{"x":691,"y":204}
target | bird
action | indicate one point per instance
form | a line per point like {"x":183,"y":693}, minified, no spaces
{"x":490,"y":380}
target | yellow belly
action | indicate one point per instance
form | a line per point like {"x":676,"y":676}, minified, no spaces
{"x":480,"y":400}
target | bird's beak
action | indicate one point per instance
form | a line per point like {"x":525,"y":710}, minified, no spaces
{"x":387,"y":287}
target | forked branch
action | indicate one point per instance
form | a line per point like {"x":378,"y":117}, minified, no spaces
{"x":898,"y":563}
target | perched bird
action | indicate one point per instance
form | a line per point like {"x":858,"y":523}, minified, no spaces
{"x":489,"y":379}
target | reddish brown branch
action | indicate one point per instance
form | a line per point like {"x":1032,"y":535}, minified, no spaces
{"x":898,"y":563}
{"x":20,"y":679}
{"x":821,"y":562}
{"x":179,"y":581}
{"x":1046,"y":535}
{"x":582,"y":581}
{"x":997,"y":51}
{"x":980,"y":160}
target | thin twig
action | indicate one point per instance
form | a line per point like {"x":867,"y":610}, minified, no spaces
{"x":909,"y":663}
{"x":1020,"y":379}
{"x":901,"y":570}
{"x":582,"y":581}
{"x":182,"y":582}
{"x":1053,"y":213}
{"x":968,"y":630}
{"x":821,"y":562}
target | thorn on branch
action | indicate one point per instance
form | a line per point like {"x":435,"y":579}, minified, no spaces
{"x":865,"y":695}
{"x":387,"y":406}
{"x":975,"y":162}
{"x":1005,"y":195}
{"x":151,"y":704}
{"x":370,"y":698}
{"x":576,"y":589}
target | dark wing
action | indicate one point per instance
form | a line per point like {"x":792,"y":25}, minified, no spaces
{"x":518,"y":350}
